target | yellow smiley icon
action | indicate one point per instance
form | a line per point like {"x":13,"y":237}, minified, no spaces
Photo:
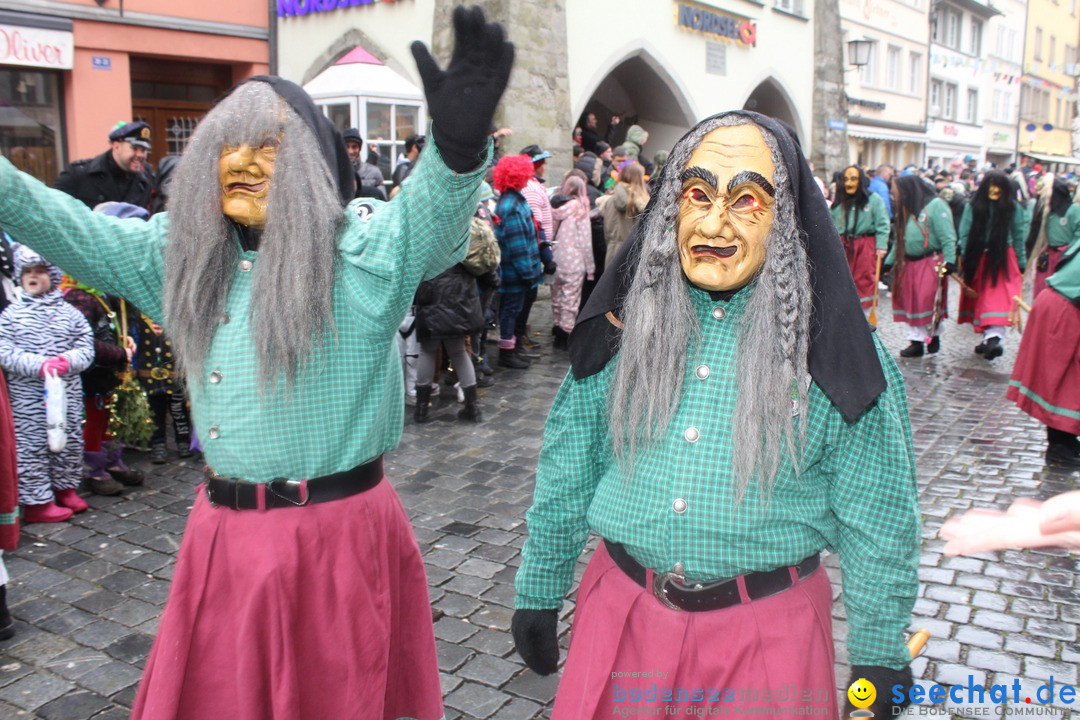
{"x":862,"y":693}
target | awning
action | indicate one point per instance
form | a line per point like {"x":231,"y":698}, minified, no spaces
{"x":873,"y":133}
{"x":1062,"y":159}
{"x":360,"y":73}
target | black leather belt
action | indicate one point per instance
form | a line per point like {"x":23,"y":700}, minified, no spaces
{"x":672,"y":591}
{"x":281,"y":492}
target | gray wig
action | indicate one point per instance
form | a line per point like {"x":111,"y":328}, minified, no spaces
{"x":661,"y":327}
{"x":293,"y":278}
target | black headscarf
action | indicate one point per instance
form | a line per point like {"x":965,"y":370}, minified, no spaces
{"x":842,"y":358}
{"x":331,"y":145}
{"x":1061,"y":198}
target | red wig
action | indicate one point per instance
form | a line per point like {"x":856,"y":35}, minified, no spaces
{"x":513,"y":172}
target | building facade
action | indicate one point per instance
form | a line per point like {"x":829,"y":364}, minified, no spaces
{"x":71,"y":69}
{"x":660,"y":64}
{"x":958,"y":61}
{"x":1003,"y":71}
{"x":1049,"y":90}
{"x":886,"y":96}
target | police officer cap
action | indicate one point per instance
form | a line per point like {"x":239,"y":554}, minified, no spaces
{"x":136,"y":133}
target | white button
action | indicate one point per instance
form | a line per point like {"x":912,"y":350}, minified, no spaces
{"x":213,"y":433}
{"x":702,"y":371}
{"x":215,"y":377}
{"x":678,"y":568}
{"x":246,"y":265}
{"x":679,"y":506}
{"x":719,"y":312}
{"x":691,"y":434}
{"x":225,"y":318}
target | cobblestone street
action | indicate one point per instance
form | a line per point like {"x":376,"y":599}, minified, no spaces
{"x":87,"y":594}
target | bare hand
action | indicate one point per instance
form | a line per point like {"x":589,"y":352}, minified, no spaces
{"x":615,"y":119}
{"x":1026,"y":524}
{"x":882,"y":253}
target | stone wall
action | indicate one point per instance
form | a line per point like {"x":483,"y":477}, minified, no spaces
{"x":536,"y":105}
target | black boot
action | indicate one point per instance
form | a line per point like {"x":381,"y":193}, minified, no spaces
{"x":915,"y":349}
{"x":1062,"y":448}
{"x":471,"y":411}
{"x":561,"y":338}
{"x":522,"y":348}
{"x":934,"y":346}
{"x":508,"y":358}
{"x":423,"y":403}
{"x":7,"y":625}
{"x":993,"y":348}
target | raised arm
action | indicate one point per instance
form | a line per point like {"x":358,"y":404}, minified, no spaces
{"x":119,"y":257}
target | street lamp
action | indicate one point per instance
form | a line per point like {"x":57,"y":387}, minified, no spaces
{"x":858,"y":51}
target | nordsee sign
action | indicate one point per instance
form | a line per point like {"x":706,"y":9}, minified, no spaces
{"x":287,"y":8}
{"x":713,"y":23}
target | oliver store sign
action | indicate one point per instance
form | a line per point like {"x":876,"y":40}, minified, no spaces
{"x":36,"y":47}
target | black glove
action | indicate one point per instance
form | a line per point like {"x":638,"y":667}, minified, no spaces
{"x":551,"y":268}
{"x":462,"y":98}
{"x":951,"y":268}
{"x":883,"y":679}
{"x":536,"y":640}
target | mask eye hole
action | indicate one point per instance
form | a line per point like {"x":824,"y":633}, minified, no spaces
{"x":697,"y":196}
{"x":746,"y":202}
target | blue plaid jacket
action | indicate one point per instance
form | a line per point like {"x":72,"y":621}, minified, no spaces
{"x":520,"y":267}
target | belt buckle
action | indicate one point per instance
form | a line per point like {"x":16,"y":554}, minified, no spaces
{"x":159,"y":373}
{"x":659,"y":588}
{"x":301,"y":485}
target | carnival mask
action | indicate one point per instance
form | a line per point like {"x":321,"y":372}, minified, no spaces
{"x":994,"y":193}
{"x":726,"y":208}
{"x":245,"y":172}
{"x":851,"y":181}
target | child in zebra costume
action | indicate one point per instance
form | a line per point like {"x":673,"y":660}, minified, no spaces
{"x":40,"y":333}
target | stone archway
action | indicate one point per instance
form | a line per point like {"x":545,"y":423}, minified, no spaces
{"x":770,"y":98}
{"x":638,"y":88}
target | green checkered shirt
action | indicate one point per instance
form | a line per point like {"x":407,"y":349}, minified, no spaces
{"x":857,"y":495}
{"x":348,"y":406}
{"x":870,"y":220}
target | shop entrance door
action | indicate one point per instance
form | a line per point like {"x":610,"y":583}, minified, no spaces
{"x":172,"y":97}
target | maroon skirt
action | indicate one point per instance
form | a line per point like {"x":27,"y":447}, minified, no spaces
{"x":1045,"y":381}
{"x":630,"y":653}
{"x":995,"y":300}
{"x":862,"y":260}
{"x":1054,"y":257}
{"x":304,"y":613}
{"x":913,"y":300}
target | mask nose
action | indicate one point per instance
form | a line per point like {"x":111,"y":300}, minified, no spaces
{"x":715,"y":223}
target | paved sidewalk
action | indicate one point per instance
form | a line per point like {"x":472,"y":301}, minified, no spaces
{"x":87,"y":594}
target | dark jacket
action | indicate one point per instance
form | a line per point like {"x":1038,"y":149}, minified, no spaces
{"x":448,"y":306}
{"x":101,"y":378}
{"x":100,"y":179}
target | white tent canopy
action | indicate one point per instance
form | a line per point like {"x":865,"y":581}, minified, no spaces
{"x":359,"y":73}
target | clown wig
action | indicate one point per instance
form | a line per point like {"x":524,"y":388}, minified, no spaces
{"x":512,"y":173}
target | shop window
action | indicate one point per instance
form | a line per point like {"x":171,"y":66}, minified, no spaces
{"x":30,"y":127}
{"x":340,"y":115}
{"x":388,"y":125}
